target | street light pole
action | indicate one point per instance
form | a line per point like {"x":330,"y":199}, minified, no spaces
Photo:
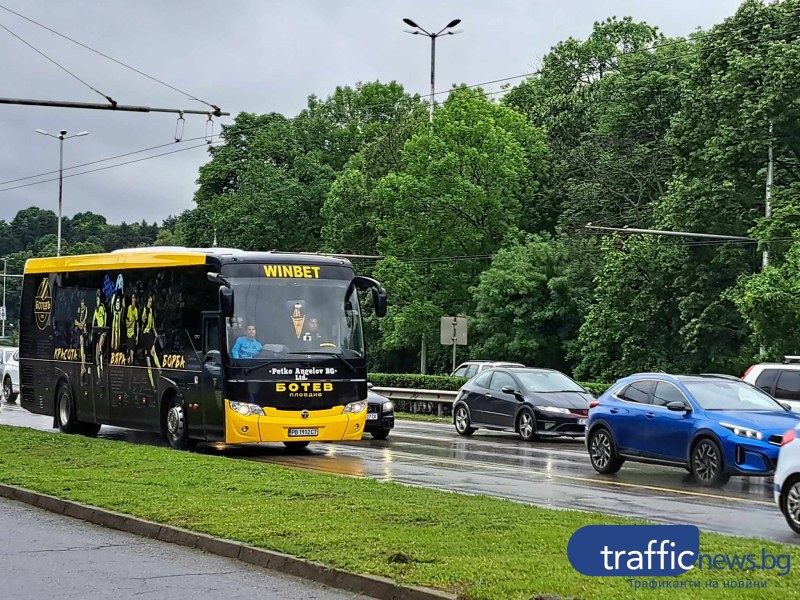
{"x":61,"y":137}
{"x":433,"y":37}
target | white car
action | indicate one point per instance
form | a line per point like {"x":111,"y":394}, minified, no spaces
{"x":787,"y":478}
{"x":9,"y":367}
{"x":779,"y":380}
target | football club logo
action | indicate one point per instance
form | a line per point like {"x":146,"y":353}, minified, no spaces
{"x":43,"y":304}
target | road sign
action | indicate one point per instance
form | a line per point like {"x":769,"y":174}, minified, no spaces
{"x":2,"y":313}
{"x":453,"y":329}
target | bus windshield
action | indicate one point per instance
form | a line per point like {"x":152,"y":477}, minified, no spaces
{"x":285,"y":317}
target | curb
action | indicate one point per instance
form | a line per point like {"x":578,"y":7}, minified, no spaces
{"x":367,"y":585}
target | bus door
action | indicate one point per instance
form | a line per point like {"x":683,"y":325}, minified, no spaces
{"x":211,"y":379}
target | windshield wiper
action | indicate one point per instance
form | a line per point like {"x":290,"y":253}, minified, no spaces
{"x":250,"y":369}
{"x":336,"y":354}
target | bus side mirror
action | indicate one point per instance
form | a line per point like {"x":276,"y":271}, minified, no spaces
{"x":380,"y":301}
{"x":226,"y":301}
{"x":378,"y":293}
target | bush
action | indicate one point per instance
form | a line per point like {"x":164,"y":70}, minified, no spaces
{"x":420,"y":382}
{"x":445,"y":382}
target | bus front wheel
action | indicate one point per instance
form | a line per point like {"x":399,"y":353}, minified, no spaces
{"x":175,"y":426}
{"x":65,"y":409}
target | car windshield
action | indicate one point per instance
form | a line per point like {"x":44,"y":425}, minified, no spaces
{"x":730,"y":395}
{"x":547,"y":381}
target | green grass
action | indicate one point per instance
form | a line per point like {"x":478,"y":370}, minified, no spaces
{"x":474,"y":546}
{"x":420,"y":417}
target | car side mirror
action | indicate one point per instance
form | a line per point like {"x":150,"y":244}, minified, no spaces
{"x":678,"y":406}
{"x":507,"y":389}
{"x":369,"y":385}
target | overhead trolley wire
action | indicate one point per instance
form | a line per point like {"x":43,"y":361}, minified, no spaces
{"x":119,"y":62}
{"x":60,"y":66}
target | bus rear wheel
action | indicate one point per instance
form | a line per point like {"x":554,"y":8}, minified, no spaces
{"x":66,"y":418}
{"x":175,"y":425}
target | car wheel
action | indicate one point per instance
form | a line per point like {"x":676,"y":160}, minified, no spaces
{"x":295,"y":446}
{"x":175,"y":425}
{"x":708,"y":466}
{"x":8,"y":390}
{"x":379,"y":434}
{"x":462,"y":422}
{"x":603,"y":452}
{"x":65,"y":410}
{"x":790,"y":502}
{"x":526,"y":425}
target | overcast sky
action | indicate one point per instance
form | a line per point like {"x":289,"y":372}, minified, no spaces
{"x":245,"y":55}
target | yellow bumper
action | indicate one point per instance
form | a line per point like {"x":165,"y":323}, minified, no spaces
{"x":330,"y":425}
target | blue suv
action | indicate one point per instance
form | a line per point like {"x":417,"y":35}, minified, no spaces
{"x":713,"y":426}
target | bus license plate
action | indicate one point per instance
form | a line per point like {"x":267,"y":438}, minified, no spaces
{"x":303,"y":432}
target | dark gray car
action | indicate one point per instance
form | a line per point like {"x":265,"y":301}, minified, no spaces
{"x":380,"y":415}
{"x":531,"y":402}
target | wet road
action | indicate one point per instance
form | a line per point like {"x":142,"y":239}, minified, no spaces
{"x":555,"y":474}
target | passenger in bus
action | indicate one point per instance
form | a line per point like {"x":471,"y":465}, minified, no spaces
{"x":247,"y":346}
{"x":312,"y":335}
{"x":313,"y":338}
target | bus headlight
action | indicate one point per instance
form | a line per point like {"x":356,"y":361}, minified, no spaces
{"x":246,"y":409}
{"x":355,"y":407}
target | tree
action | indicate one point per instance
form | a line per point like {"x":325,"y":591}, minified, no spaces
{"x":289,"y":164}
{"x":462,"y":188}
{"x":530,"y":302}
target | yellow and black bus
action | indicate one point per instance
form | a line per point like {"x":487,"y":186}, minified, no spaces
{"x":197,"y":344}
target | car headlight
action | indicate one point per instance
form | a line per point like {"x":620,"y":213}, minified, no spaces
{"x":355,"y":407}
{"x":246,"y":408}
{"x":387,"y":406}
{"x":744,"y":432}
{"x":553,"y":409}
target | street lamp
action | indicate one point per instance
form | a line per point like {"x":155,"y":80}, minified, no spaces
{"x":433,"y":37}
{"x":61,"y":137}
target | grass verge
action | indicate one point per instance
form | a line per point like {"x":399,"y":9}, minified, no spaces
{"x":477,"y":547}
{"x":420,"y":417}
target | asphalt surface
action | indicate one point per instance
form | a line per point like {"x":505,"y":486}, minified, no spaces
{"x":554,"y":474}
{"x":60,"y":558}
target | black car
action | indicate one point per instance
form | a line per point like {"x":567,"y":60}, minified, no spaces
{"x":531,"y":402}
{"x":380,"y":415}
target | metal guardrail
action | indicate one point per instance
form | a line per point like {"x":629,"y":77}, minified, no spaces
{"x":432,"y":402}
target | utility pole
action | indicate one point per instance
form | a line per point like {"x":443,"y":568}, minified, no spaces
{"x":768,"y":210}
